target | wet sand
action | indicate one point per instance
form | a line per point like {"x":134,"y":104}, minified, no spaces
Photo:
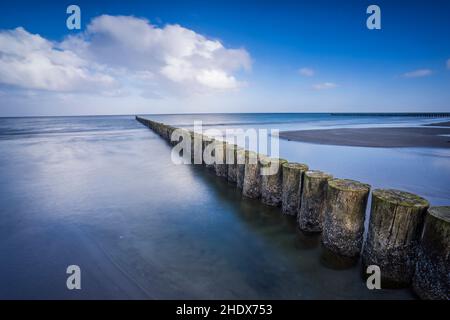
{"x":423,"y":137}
{"x":439,"y":124}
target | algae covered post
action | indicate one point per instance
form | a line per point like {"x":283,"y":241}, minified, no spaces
{"x":209,"y":153}
{"x":241,"y":155}
{"x":206,"y":151}
{"x":252,"y":177}
{"x":220,"y":156}
{"x":395,"y":227}
{"x":271,"y":180}
{"x":292,"y":186}
{"x":343,"y":225}
{"x":231,"y":160}
{"x":312,"y":203}
{"x":432,"y":275}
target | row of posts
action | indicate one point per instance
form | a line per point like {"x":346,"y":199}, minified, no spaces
{"x":408,"y":240}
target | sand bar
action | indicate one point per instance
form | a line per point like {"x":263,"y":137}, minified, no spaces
{"x":423,"y":137}
{"x":439,"y":124}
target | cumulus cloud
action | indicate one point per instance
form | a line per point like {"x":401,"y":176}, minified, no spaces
{"x":418,"y":73}
{"x":121,"y":52}
{"x":325,"y":85}
{"x":32,"y":62}
{"x":307,"y":72}
{"x":181,"y":56}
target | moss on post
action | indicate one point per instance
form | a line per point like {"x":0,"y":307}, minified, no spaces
{"x":395,"y":226}
{"x":209,"y":153}
{"x":231,"y":157}
{"x":192,"y":146}
{"x":220,"y":165}
{"x":271,"y":180}
{"x":312,"y":203}
{"x":241,"y":155}
{"x":252,"y":177}
{"x":166,"y":132}
{"x":292,"y":186}
{"x":432,"y":274}
{"x":343,"y":224}
{"x":170,"y":131}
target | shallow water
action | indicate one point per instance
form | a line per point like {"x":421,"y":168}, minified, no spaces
{"x":102,"y":193}
{"x":424,"y":171}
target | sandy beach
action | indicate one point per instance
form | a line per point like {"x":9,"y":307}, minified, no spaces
{"x":393,"y":137}
{"x":439,"y":124}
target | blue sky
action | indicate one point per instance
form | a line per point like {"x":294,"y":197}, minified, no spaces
{"x":275,"y":56}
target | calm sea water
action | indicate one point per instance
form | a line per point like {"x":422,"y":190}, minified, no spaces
{"x":102,"y":193}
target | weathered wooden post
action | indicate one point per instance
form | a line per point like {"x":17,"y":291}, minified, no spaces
{"x":343,"y":224}
{"x":170,"y":130}
{"x":312,"y":203}
{"x":185,"y":140}
{"x":252,"y":177}
{"x":241,"y":155}
{"x":395,"y":226}
{"x":292,"y":187}
{"x":191,"y":135}
{"x":197,"y":148}
{"x":231,"y":160}
{"x":165,"y":132}
{"x":271,"y":180}
{"x":174,"y":141}
{"x":205,"y":142}
{"x":168,"y":133}
{"x":158,"y":129}
{"x":209,"y":153}
{"x":220,"y":166}
{"x":432,"y":274}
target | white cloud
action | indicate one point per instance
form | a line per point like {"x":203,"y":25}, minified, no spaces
{"x":307,"y":72}
{"x":121,"y":52}
{"x":324,"y":85}
{"x":418,"y":73}
{"x":216,"y":79}
{"x":32,"y":62}
{"x":175,"y":56}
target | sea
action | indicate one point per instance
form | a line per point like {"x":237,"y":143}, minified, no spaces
{"x":102,"y":193}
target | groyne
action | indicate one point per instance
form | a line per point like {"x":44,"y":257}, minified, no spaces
{"x":407,"y":239}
